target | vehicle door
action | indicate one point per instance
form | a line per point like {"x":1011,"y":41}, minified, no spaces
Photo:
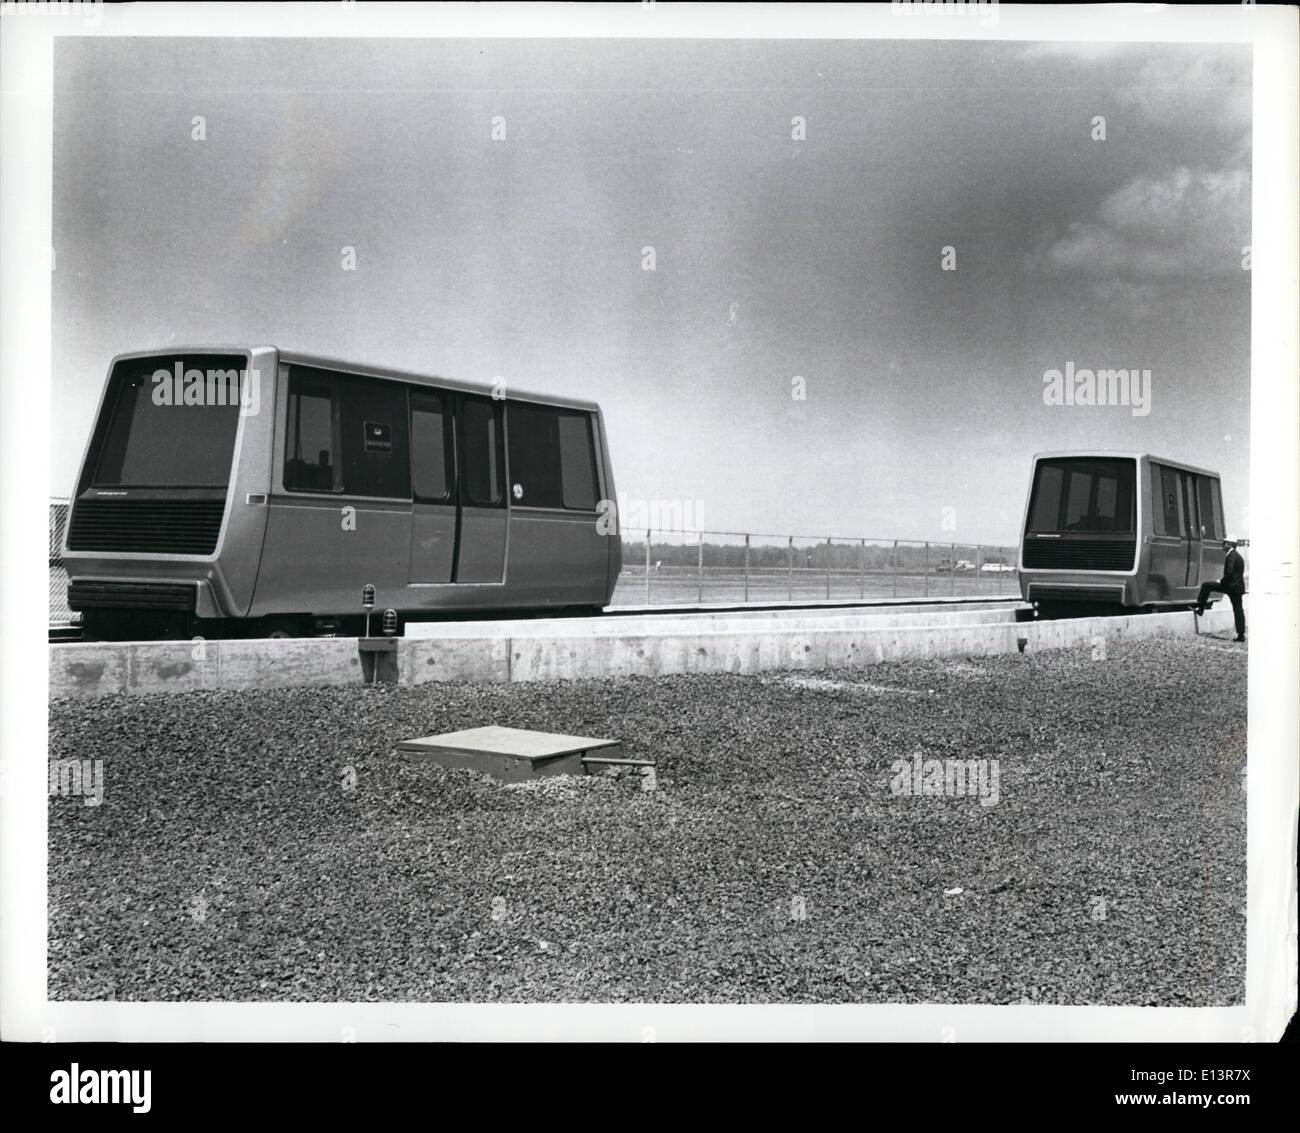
{"x":481,"y":503}
{"x":434,"y":500}
{"x":1168,"y":560}
{"x":1212,"y":532}
{"x":1192,"y":574}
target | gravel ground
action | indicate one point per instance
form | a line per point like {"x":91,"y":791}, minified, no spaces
{"x":269,"y":846}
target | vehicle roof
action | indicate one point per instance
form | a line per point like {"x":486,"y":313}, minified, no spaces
{"x":1129,"y":455}
{"x":379,"y":371}
{"x":371,"y":370}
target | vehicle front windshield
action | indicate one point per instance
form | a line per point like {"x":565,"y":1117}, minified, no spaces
{"x":172,"y":421}
{"x":1083,"y":494}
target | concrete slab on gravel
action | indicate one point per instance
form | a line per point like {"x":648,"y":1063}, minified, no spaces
{"x":511,"y":754}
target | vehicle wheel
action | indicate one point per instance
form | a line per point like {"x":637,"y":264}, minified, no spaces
{"x":97,"y":625}
{"x":278,"y":628}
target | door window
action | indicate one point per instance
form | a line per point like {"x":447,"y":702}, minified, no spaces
{"x":1168,"y":500}
{"x":1189,"y":504}
{"x":481,"y":453}
{"x":1212,"y":527}
{"x":430,"y":448}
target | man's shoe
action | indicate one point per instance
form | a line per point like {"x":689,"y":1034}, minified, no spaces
{"x":1240,"y":637}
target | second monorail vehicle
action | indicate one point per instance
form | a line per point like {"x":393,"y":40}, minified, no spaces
{"x":1119,"y":531}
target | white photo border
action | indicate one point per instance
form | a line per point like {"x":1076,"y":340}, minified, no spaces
{"x":26,"y":62}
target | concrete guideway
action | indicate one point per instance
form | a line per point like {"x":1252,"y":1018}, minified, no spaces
{"x":747,"y":621}
{"x":559,"y":649}
{"x":863,"y":605}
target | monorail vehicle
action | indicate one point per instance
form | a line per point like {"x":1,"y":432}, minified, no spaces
{"x":1119,"y":532}
{"x":257,"y":491}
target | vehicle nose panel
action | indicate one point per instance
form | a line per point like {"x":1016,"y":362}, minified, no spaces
{"x":174,"y":527}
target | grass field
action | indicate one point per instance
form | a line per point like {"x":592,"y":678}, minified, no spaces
{"x":269,"y":845}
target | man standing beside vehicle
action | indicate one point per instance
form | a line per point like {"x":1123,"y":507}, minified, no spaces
{"x":1233,"y":584}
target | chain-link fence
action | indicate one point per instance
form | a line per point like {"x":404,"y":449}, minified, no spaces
{"x":674,"y":567}
{"x":60,"y":615}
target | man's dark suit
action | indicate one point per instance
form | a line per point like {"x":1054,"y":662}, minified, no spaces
{"x":1233,"y":584}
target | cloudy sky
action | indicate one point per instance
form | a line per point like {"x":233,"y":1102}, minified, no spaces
{"x":775,"y":257}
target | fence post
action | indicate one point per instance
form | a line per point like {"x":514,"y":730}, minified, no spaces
{"x":979,"y":568}
{"x":952,"y":571}
{"x":789,"y":570}
{"x":647,"y":568}
{"x":699,"y":570}
{"x":746,"y":568}
{"x":926,"y":576}
{"x":895,"y":566}
{"x":828,"y":568}
{"x":862,"y":570}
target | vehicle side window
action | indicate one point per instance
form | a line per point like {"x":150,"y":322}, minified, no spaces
{"x":311,"y":462}
{"x":480,"y":452}
{"x":1047,"y":498}
{"x":346,"y":435}
{"x":577,"y":461}
{"x":430,"y":447}
{"x":1219,"y":523}
{"x":375,"y":457}
{"x":1168,"y":500}
{"x":1211,"y":526}
{"x":552,"y":457}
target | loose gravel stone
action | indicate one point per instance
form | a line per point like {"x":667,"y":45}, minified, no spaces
{"x":269,"y":845}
